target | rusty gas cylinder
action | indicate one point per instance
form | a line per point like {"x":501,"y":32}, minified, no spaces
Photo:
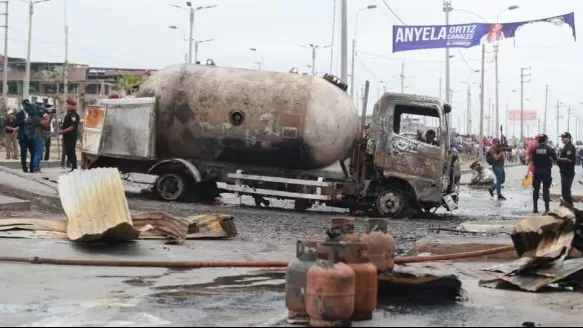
{"x":330,"y":290}
{"x":342,"y":230}
{"x":366,"y":283}
{"x":296,"y":281}
{"x":381,"y":250}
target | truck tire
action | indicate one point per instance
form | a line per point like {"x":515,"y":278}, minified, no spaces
{"x":171,"y":187}
{"x":391,"y":203}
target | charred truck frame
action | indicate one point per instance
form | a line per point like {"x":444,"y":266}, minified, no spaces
{"x":403,"y":174}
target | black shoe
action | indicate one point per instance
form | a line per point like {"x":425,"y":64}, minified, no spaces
{"x":491,"y":191}
{"x":25,"y":170}
{"x":500,"y":197}
{"x":535,"y":211}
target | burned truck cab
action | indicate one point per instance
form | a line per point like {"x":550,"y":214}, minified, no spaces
{"x":416,"y":171}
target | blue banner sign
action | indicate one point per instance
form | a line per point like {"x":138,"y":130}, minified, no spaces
{"x":408,"y":37}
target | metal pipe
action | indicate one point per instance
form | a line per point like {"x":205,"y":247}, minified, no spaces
{"x":231,"y":264}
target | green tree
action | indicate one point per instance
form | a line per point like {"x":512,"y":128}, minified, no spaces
{"x":128,"y":82}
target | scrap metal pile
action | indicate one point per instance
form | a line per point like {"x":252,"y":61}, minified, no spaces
{"x":544,"y":244}
{"x":96,"y":207}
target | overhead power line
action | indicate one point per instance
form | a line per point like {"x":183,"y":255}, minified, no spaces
{"x":393,"y":12}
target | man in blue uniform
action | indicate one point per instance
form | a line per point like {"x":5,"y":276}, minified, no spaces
{"x":69,"y":131}
{"x":543,"y":158}
{"x":567,"y":160}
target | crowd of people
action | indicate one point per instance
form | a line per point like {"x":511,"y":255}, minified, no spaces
{"x":540,"y":157}
{"x":29,"y":131}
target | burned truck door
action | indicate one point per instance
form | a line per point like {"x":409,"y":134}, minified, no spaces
{"x":402,"y":124}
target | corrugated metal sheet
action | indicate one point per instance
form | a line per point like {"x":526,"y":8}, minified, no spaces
{"x":96,"y":206}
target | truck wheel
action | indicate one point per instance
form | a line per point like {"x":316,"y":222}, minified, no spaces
{"x":170,"y":186}
{"x":391,"y":203}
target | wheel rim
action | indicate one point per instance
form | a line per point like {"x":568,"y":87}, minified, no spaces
{"x":390,"y":203}
{"x":170,"y":186}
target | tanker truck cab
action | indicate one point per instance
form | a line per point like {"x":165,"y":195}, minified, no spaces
{"x":414,"y":172}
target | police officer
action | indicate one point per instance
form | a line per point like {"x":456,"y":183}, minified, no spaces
{"x":567,"y":160}
{"x":69,"y":132}
{"x":542,"y":159}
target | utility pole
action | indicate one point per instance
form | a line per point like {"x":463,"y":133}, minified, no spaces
{"x":344,"y":41}
{"x":569,"y":119}
{"x":558,"y":118}
{"x":191,"y":38}
{"x":490,"y":115}
{"x":5,"y":68}
{"x":469,"y":111}
{"x":481,"y":126}
{"x":497,"y":101}
{"x":546,"y":108}
{"x":447,"y":8}
{"x":66,"y":70}
{"x":402,"y":76}
{"x":26,"y":91}
{"x":313,"y":60}
{"x":524,"y":72}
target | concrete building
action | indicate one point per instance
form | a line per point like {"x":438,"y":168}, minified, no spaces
{"x":46,"y":79}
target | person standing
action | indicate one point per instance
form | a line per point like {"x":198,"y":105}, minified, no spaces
{"x":495,"y":158}
{"x":566,"y":162}
{"x":10,"y":134}
{"x":48,"y":131}
{"x":542,"y":159}
{"x":69,"y":131}
{"x":23,"y":118}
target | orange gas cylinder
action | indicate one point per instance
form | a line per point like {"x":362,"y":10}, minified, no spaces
{"x":296,"y":281}
{"x":381,"y":250}
{"x":330,"y":291}
{"x":366,"y":283}
{"x":342,"y":230}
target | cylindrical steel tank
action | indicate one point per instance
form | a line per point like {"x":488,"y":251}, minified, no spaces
{"x":341,"y":230}
{"x":366,"y":282}
{"x":381,"y":251}
{"x":296,"y":276}
{"x":251,"y":117}
{"x":330,"y":291}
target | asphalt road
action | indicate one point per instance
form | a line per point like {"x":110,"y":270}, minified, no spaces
{"x":43,"y":295}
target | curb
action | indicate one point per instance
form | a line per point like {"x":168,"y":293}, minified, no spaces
{"x":51,"y":203}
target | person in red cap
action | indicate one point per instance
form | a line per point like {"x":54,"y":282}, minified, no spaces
{"x":69,"y":131}
{"x":529,"y":153}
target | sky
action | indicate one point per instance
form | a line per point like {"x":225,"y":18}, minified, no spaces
{"x":136,"y":34}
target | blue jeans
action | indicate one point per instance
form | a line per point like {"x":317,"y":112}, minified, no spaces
{"x":39,"y":149}
{"x":500,"y":178}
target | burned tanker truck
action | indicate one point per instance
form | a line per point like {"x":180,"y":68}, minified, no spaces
{"x":205,"y":130}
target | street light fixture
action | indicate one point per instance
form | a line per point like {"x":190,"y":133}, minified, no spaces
{"x":260,"y":63}
{"x":26,"y":91}
{"x":191,"y":9}
{"x":314,"y":47}
{"x":369,"y":7}
{"x":184,"y":39}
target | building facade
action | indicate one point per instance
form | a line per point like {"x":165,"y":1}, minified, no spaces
{"x":46,"y":79}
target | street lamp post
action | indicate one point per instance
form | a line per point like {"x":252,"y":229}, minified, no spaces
{"x":315,"y":47}
{"x":196,"y":43}
{"x":184,"y":39}
{"x":354,"y":46}
{"x":496,"y":49}
{"x":191,"y":10}
{"x":261,"y":54}
{"x":26,"y":91}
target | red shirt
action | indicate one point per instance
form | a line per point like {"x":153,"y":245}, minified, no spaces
{"x":529,"y":153}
